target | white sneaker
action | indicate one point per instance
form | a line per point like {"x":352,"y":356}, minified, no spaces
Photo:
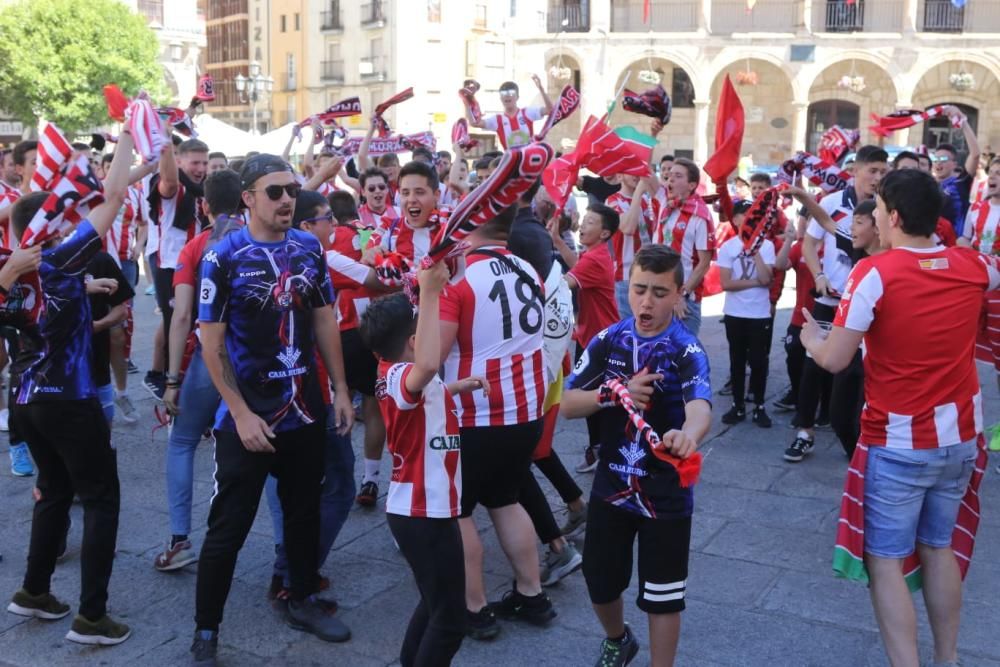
{"x":125,"y":409}
{"x":4,"y":419}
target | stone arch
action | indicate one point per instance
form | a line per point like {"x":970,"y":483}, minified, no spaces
{"x":870,"y":61}
{"x":737,"y":58}
{"x":622,"y":60}
{"x":880,"y":95}
{"x":768,"y":135}
{"x":934,"y":87}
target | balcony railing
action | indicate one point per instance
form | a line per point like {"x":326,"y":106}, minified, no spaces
{"x":373,"y":68}
{"x":729,"y":16}
{"x":330,"y":20}
{"x":575,"y":15}
{"x":332,"y":71}
{"x":374,"y":13}
{"x":942,"y":16}
{"x":664,"y":16}
{"x":859,"y":16}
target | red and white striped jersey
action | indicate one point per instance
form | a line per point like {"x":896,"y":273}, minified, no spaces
{"x":348,"y":276}
{"x":919,"y":311}
{"x":383,"y":220}
{"x":8,"y":195}
{"x":326,"y":187}
{"x":422,"y":435}
{"x":981,"y":227}
{"x":170,"y":239}
{"x":500,"y":338}
{"x":625,"y":247}
{"x":410,"y":242}
{"x":119,"y":239}
{"x":517,"y":130}
{"x":687,"y":235}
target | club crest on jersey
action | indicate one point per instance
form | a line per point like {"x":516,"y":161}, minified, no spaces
{"x":289,"y":356}
{"x":632,"y":455}
{"x":935,"y":264}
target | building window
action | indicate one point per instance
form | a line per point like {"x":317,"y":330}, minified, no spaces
{"x":682,"y":90}
{"x":152,"y":10}
{"x":284,"y":23}
{"x":291,"y":78}
{"x":434,"y":11}
{"x":298,"y":25}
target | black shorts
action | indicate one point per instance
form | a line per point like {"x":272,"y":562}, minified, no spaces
{"x":663,"y":557}
{"x":360,"y":364}
{"x":495,"y":460}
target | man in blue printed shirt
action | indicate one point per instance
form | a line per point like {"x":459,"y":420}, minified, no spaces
{"x":635,"y":493}
{"x":58,"y":414}
{"x":265,"y":302}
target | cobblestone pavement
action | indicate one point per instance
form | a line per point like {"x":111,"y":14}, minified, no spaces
{"x":760,"y":592}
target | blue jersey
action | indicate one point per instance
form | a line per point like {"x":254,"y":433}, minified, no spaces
{"x":54,"y":362}
{"x":266,"y":294}
{"x":628,"y":474}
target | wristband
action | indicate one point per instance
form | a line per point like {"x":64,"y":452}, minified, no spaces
{"x":605,"y":396}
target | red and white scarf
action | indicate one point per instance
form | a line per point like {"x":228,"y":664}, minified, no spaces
{"x":758,"y":225}
{"x":468,"y":94}
{"x":568,"y":102}
{"x":53,"y":153}
{"x":900,"y":120}
{"x":342,"y":109}
{"x":693,"y":206}
{"x":829,"y":177}
{"x":380,"y":123}
{"x":460,"y":135}
{"x":848,"y":554}
{"x":835,"y":143}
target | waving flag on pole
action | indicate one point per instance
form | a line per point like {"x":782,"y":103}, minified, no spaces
{"x":53,"y":153}
{"x":729,"y":126}
{"x":646,"y":10}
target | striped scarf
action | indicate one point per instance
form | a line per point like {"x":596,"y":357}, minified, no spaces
{"x":829,"y":177}
{"x":758,"y":225}
{"x":460,"y":135}
{"x":848,"y":554}
{"x":380,"y":123}
{"x":900,"y":120}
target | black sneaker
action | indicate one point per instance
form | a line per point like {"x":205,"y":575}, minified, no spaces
{"x":311,"y":616}
{"x":787,"y":403}
{"x":481,"y":625}
{"x":204,"y":648}
{"x":155,"y":383}
{"x":736,"y":414}
{"x":727,"y":389}
{"x":132,"y":368}
{"x":823,"y":421}
{"x":798,"y":449}
{"x":368,"y":494}
{"x":618,"y":653}
{"x":760,"y":417}
{"x":537,"y":609}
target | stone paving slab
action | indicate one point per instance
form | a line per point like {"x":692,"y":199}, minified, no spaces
{"x":761,"y":591}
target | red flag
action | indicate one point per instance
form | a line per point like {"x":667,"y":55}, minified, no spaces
{"x":598,"y":149}
{"x":117,"y":102}
{"x":729,"y":127}
{"x":645,"y":11}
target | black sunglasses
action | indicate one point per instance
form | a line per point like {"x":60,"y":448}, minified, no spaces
{"x":375,"y":188}
{"x":320,"y":218}
{"x":273,"y":192}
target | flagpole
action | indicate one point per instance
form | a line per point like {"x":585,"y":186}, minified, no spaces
{"x":614,"y":102}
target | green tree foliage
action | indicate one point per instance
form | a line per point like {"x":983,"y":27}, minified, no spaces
{"x":57,"y":55}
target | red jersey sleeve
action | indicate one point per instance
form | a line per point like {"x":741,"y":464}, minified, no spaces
{"x":588,"y":272}
{"x":186,"y":272}
{"x":861,"y":298}
{"x":451,"y":301}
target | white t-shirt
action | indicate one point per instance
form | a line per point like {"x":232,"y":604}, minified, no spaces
{"x":753,"y":303}
{"x":836,"y":260}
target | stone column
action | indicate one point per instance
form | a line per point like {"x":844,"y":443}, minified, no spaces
{"x":704,"y":16}
{"x":800,"y":120}
{"x":910,"y":16}
{"x":701,"y":143}
{"x":807,"y":11}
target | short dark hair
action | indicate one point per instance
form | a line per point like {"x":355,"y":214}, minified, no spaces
{"x":510,"y":85}
{"x":306,"y":205}
{"x":760,"y":177}
{"x":482,"y":163}
{"x":387,"y":324}
{"x":24,"y":210}
{"x":107,"y":157}
{"x":422,"y":153}
{"x":80,"y":146}
{"x":609,"y":216}
{"x":418,"y":168}
{"x":667,"y":158}
{"x":222,"y":192}
{"x":871,"y":153}
{"x":442,"y":154}
{"x":388,"y":160}
{"x":949,"y":148}
{"x":342,"y":205}
{"x":904,"y":155}
{"x":236,"y":165}
{"x":916,"y":196}
{"x":217,"y":154}
{"x":21,"y":150}
{"x":866,"y":208}
{"x":693,"y":172}
{"x":528,"y":195}
{"x":498,"y":229}
{"x":993,"y":160}
{"x":659,"y":258}
{"x":192,"y":146}
{"x":741,"y":206}
{"x":372,"y":172}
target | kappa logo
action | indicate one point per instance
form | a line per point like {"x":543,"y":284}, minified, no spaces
{"x":289,"y":356}
{"x":211,"y":257}
{"x":692,"y":348}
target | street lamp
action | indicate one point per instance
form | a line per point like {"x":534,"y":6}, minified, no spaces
{"x":251,"y":88}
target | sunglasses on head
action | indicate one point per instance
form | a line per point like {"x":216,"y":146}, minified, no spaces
{"x":273,"y":192}
{"x":375,"y":188}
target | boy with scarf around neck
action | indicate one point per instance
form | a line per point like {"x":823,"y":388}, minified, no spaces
{"x":175,"y":218}
{"x":685,"y":224}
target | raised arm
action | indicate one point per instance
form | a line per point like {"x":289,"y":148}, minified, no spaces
{"x":116,"y":185}
{"x":427,"y":350}
{"x":362,"y":157}
{"x":545,"y":95}
{"x":169,"y":178}
{"x":814,"y":209}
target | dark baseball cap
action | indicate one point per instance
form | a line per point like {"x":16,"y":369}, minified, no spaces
{"x":260,"y":165}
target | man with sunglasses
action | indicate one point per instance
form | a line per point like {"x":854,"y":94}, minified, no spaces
{"x":265,"y":307}
{"x":956,"y":180}
{"x":515,"y":126}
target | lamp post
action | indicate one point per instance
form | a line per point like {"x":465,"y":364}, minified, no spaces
{"x":251,"y":88}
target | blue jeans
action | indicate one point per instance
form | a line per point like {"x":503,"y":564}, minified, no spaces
{"x":106,"y":395}
{"x":337,"y":497}
{"x":913,"y":495}
{"x":621,"y":296}
{"x":130,"y":268}
{"x":693,"y":319}
{"x":197,"y":403}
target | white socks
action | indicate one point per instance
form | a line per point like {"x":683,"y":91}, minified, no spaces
{"x":371,"y":470}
